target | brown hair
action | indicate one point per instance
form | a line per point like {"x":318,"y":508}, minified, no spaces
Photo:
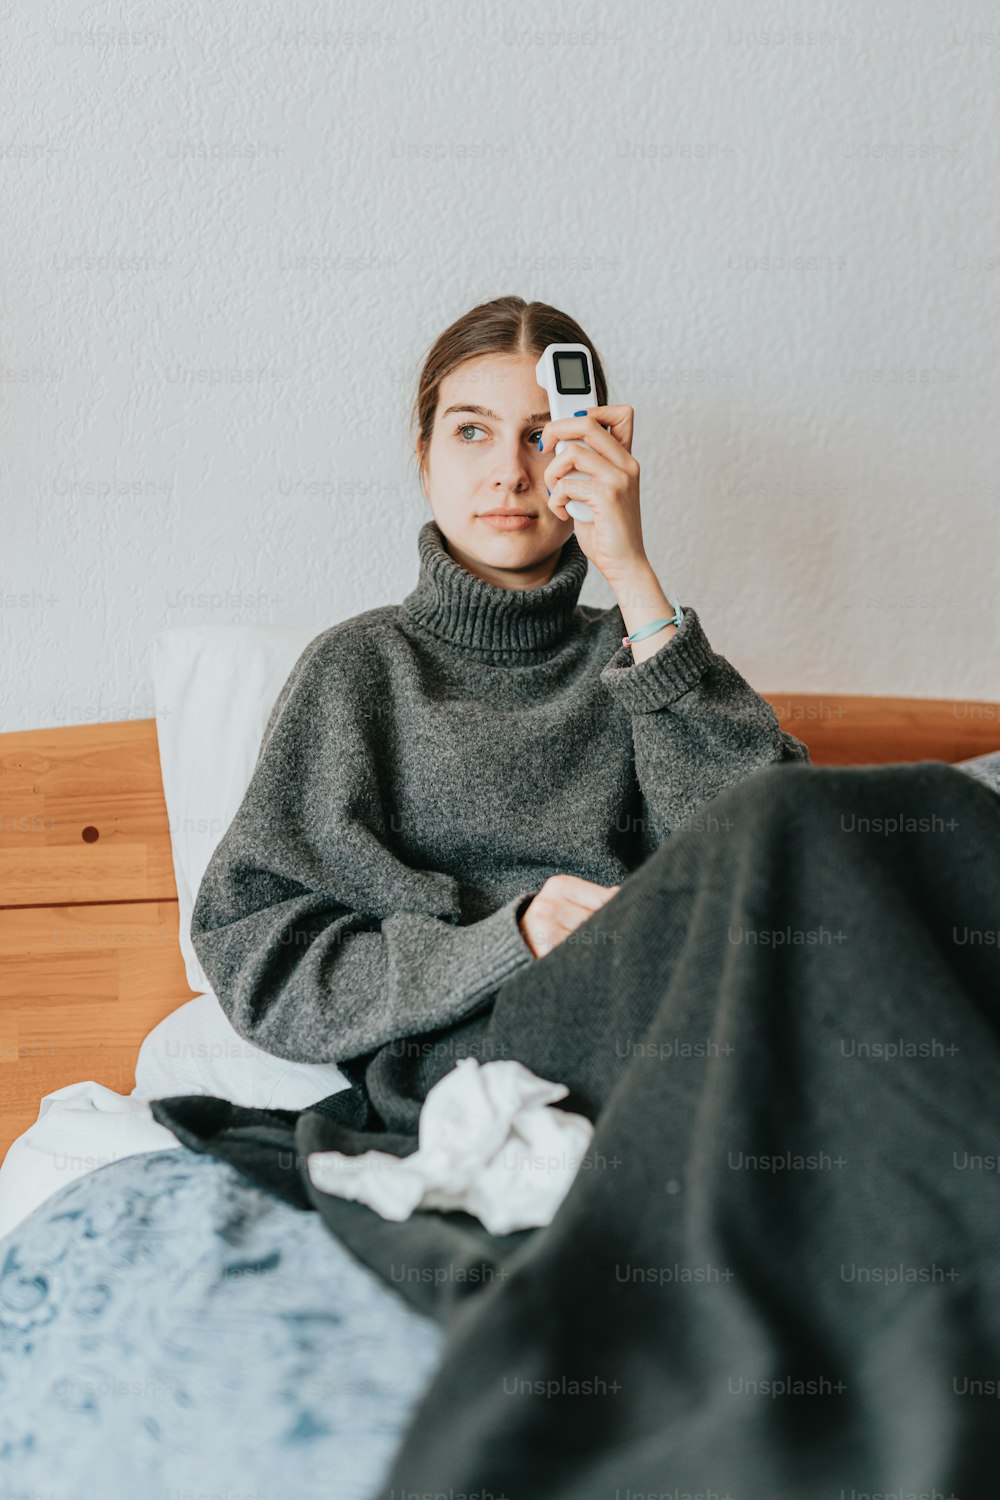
{"x":507,"y":325}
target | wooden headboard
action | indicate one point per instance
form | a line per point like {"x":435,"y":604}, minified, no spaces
{"x":89,"y":953}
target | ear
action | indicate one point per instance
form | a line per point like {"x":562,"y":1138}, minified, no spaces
{"x":421,"y":469}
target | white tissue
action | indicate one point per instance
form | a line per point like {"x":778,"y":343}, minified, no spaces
{"x":488,"y":1143}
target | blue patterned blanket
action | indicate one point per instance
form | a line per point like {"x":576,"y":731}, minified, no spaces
{"x":169,"y":1329}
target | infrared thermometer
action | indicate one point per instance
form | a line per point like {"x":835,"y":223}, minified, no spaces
{"x":566,"y":374}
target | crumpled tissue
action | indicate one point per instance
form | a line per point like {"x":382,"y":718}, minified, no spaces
{"x":488,"y":1142}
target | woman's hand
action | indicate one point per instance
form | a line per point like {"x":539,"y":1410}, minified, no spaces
{"x":558,"y":908}
{"x":610,"y":486}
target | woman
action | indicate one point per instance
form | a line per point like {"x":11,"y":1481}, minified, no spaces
{"x":475,"y":829}
{"x":449,"y":787}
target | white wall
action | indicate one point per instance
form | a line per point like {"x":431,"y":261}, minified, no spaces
{"x":231,"y":232}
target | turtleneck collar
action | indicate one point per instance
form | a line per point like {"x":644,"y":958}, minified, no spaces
{"x":460,"y":608}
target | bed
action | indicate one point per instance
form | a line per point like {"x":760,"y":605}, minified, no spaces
{"x":91,"y":957}
{"x":102,"y":1007}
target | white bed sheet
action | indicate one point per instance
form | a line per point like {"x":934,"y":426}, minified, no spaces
{"x":80,"y":1127}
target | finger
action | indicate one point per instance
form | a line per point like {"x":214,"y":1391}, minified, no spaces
{"x":577,"y":915}
{"x":605,"y":892}
{"x":587,"y":430}
{"x":584,"y":458}
{"x":577,"y":488}
{"x":549,"y":936}
{"x":583,"y":913}
{"x":583,"y":892}
{"x":620,"y":420}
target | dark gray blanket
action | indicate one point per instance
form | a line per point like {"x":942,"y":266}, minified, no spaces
{"x":776,"y":1272}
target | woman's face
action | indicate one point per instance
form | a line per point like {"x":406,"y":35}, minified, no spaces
{"x":483,"y":456}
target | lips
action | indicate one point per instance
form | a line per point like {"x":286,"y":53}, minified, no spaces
{"x":507,"y":520}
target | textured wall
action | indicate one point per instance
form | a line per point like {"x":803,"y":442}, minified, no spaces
{"x":231,"y":231}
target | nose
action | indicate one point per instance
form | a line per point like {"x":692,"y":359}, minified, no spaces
{"x":511,"y":481}
{"x":513,"y":475}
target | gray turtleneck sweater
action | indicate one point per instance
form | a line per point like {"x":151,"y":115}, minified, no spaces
{"x":426,"y":766}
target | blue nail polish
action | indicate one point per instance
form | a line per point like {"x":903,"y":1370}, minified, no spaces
{"x":579,"y":414}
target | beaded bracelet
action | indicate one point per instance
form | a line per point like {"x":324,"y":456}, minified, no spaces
{"x":637,"y":635}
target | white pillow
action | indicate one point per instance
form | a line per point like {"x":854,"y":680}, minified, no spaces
{"x":213,"y":688}
{"x":195,"y":1050}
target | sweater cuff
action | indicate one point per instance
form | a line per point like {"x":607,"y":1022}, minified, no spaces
{"x":493,"y":948}
{"x":644,"y":686}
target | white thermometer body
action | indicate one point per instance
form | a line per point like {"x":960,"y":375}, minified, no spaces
{"x":566,"y":373}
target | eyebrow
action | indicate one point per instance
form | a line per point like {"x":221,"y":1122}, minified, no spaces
{"x":484,"y":411}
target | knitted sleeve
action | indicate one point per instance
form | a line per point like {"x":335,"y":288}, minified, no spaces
{"x":697,"y":725}
{"x":319,"y":943}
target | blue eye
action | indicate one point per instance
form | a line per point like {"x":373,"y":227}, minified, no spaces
{"x":474,"y":427}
